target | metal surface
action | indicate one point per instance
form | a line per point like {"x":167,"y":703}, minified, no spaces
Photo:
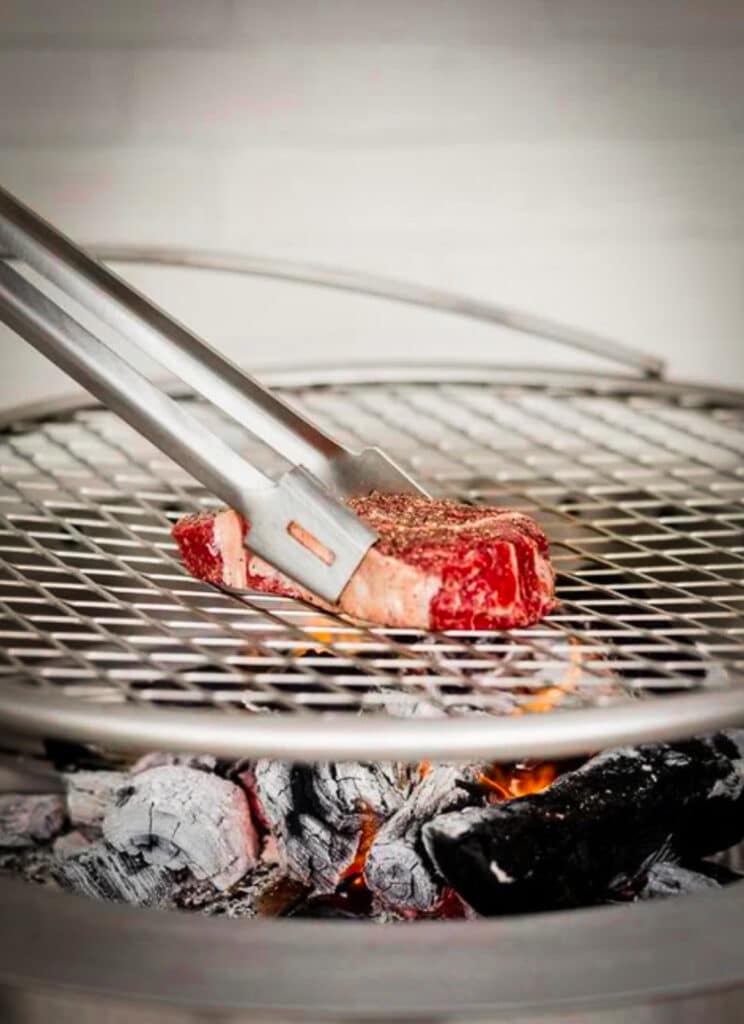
{"x":638,"y":484}
{"x":495,"y":969}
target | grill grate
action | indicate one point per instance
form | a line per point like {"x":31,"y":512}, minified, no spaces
{"x":639,"y":487}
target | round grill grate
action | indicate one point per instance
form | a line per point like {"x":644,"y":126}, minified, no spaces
{"x":639,"y":486}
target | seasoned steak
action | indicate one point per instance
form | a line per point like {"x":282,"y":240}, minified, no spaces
{"x":437,"y":564}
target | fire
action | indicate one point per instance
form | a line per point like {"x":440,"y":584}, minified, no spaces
{"x":546,"y":699}
{"x":353,"y":875}
{"x":520,"y":780}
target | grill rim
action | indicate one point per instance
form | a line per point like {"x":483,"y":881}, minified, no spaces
{"x":349,"y":970}
{"x":313,"y":737}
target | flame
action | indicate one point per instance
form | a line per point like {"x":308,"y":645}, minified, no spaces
{"x":353,"y":875}
{"x":546,"y":699}
{"x":320,"y":639}
{"x":520,"y":780}
{"x":423,"y":769}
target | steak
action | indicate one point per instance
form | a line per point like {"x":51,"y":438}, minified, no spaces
{"x":437,"y":564}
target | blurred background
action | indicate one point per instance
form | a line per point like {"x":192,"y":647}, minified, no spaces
{"x":579,"y":159}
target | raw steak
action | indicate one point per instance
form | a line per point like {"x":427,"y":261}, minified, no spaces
{"x":437,"y":564}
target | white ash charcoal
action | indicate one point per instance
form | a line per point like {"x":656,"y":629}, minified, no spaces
{"x":28,"y":818}
{"x":319,"y":813}
{"x":180,"y":817}
{"x":161,"y":758}
{"x":90,"y":794}
{"x":70,"y":844}
{"x":398,"y":870}
{"x":104,"y":873}
{"x":567,"y":845}
{"x":244,"y":899}
{"x":667,"y":879}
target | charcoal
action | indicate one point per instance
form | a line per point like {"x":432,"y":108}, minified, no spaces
{"x":331,"y":907}
{"x":70,"y":844}
{"x":398,"y":870}
{"x":27,"y":818}
{"x":181,"y":817}
{"x":721,"y":873}
{"x":666,"y":879}
{"x":321,"y":813}
{"x":244,"y":900}
{"x":104,"y":873}
{"x":159,"y":758}
{"x":90,"y":794}
{"x":565,"y":846}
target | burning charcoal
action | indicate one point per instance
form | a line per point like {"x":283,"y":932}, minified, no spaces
{"x":28,"y":818}
{"x":181,"y":817}
{"x":323,"y":814}
{"x":398,"y":870}
{"x":564,"y":846}
{"x":159,"y":758}
{"x":107,"y":874}
{"x":90,"y":794}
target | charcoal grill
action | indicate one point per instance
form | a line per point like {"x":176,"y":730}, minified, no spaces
{"x":638,"y":483}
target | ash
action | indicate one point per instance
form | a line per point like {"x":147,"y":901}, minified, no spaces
{"x":384,"y":843}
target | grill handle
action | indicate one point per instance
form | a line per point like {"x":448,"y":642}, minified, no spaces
{"x":392,"y":289}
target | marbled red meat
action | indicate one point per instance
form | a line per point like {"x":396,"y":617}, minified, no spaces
{"x":437,"y":564}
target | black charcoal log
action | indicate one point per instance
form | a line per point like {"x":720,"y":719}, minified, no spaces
{"x":27,"y":819}
{"x":563,"y":847}
{"x":104,"y":873}
{"x":398,"y":871}
{"x":180,"y":817}
{"x":90,"y":794}
{"x":719,"y":872}
{"x":321,"y":813}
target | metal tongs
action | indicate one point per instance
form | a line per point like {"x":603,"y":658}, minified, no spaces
{"x":298,"y":522}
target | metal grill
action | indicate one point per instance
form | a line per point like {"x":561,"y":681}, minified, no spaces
{"x":638,"y":485}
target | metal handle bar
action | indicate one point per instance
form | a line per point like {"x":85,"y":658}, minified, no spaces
{"x":382,"y":287}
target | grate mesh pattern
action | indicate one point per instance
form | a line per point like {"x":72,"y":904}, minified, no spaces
{"x":642,"y":495}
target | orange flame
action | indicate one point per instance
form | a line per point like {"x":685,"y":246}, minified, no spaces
{"x":354,"y":873}
{"x":521,"y":780}
{"x":546,"y":699}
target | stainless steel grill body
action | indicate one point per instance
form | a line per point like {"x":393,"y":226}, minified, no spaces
{"x":656,"y":963}
{"x":639,"y":485}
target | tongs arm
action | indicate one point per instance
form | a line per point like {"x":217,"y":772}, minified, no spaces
{"x":50,"y":253}
{"x":283,"y":514}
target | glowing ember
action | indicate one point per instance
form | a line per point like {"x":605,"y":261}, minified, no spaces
{"x":547,"y":699}
{"x":354,"y":873}
{"x":521,"y":780}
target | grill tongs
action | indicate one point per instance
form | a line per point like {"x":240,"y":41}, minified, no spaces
{"x":298,"y":522}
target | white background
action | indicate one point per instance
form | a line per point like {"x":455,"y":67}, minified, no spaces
{"x":577,"y":158}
